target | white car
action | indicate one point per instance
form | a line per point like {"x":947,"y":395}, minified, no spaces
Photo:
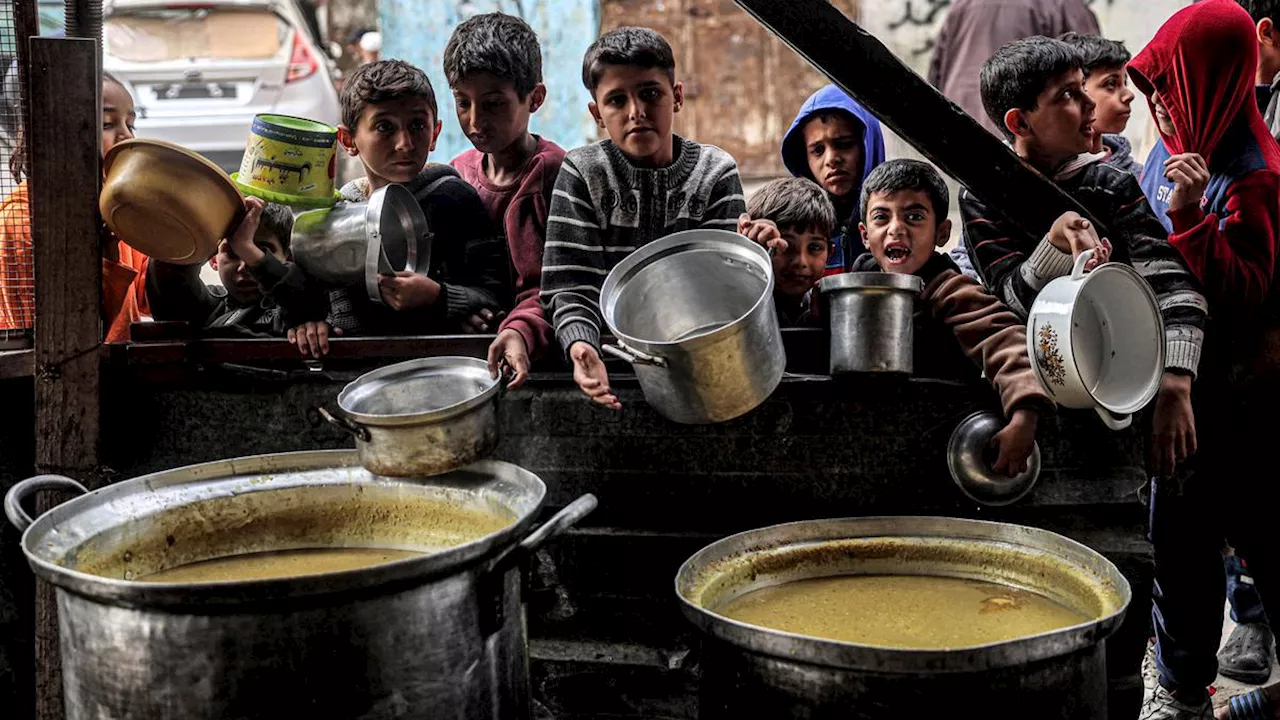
{"x":200,"y":71}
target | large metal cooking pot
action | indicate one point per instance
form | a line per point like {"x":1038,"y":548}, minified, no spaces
{"x":421,"y":417}
{"x":871,"y":315}
{"x":352,"y":243}
{"x":694,"y":313}
{"x":751,"y":671}
{"x":436,"y":636}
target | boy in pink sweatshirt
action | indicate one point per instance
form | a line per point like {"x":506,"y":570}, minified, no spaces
{"x":494,"y":68}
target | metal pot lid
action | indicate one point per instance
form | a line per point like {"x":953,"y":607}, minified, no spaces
{"x":876,"y":280}
{"x":140,"y":523}
{"x":971,"y":468}
{"x":417,"y":391}
{"x":1016,"y":555}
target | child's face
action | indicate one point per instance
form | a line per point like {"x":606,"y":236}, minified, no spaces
{"x":1108,"y":88}
{"x":901,"y":230}
{"x":234,"y":274}
{"x":491,"y":113}
{"x":833,"y":146}
{"x":637,"y":107}
{"x":393,"y":139}
{"x":798,"y":268}
{"x":117,"y":116}
{"x":1163,"y":121}
{"x":1061,"y":126}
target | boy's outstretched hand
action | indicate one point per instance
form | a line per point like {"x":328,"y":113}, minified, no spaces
{"x":764,"y":232}
{"x":1189,"y":174}
{"x":1016,"y":441}
{"x":312,"y":338}
{"x":241,"y":239}
{"x":1173,"y":431}
{"x":407,"y":290}
{"x":1073,"y":234}
{"x":508,"y":348}
{"x":590,"y":374}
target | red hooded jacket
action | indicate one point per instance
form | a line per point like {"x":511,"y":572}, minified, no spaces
{"x":1203,"y":62}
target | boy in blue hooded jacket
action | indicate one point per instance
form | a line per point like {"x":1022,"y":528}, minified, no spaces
{"x":836,"y":143}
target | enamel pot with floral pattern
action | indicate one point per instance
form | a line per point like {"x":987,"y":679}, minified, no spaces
{"x":1096,"y":340}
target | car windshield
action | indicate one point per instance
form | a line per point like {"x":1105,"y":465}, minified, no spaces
{"x":161,"y":34}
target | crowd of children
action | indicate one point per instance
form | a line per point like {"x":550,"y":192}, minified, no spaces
{"x":525,"y":233}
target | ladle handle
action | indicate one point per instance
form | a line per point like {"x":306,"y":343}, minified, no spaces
{"x":633,"y":356}
{"x":357,"y":431}
{"x":13,"y":499}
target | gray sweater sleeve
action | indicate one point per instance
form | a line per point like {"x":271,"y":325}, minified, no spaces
{"x":573,"y":263}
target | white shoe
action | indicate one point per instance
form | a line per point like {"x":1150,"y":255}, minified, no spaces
{"x":1160,"y":704}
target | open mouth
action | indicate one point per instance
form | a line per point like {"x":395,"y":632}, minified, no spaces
{"x":896,"y":253}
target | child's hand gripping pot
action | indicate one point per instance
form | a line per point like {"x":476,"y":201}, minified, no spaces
{"x":1015,"y":442}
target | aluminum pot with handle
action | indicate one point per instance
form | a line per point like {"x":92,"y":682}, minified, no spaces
{"x":694,"y":313}
{"x":353,"y":243}
{"x":1096,"y":340}
{"x":439,"y":634}
{"x":422,"y":417}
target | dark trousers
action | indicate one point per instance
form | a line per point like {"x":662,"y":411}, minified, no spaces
{"x":1246,"y":606}
{"x":1227,"y":494}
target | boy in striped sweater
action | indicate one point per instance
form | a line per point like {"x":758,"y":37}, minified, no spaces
{"x":614,"y":196}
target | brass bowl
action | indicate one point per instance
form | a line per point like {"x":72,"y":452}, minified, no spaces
{"x":168,"y":202}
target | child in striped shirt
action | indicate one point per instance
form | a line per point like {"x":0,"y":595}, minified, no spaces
{"x":614,"y":196}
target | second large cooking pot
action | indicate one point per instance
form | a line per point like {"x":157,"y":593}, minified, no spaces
{"x":754,"y":671}
{"x":436,"y":635}
{"x":693,"y":312}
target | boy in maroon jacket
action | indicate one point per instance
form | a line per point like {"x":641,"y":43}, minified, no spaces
{"x":494,"y":67}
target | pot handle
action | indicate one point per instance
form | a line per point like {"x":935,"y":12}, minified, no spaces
{"x":1077,"y":270}
{"x":356,"y":430}
{"x":1112,"y":420}
{"x":633,"y":356}
{"x":13,"y":499}
{"x":571,"y":515}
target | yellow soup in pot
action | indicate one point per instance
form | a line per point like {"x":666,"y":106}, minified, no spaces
{"x":278,"y":564}
{"x":902,"y":611}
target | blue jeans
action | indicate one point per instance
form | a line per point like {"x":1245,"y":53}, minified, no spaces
{"x":1246,"y":606}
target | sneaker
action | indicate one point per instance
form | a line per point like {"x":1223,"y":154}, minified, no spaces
{"x":1160,"y":704}
{"x":1247,"y":654}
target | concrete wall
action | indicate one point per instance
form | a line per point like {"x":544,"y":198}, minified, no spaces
{"x":418,"y":30}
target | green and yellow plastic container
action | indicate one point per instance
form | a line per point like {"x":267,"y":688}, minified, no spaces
{"x":291,"y":161}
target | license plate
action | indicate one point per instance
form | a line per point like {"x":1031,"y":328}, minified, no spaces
{"x":195,"y":91}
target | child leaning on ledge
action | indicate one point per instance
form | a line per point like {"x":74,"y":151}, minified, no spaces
{"x":262,"y":292}
{"x":904,"y":210}
{"x":390,"y":122}
{"x":805,"y":218}
{"x":494,"y":68}
{"x":620,"y":194}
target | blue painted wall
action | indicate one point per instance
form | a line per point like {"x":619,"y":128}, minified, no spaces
{"x":417,"y":31}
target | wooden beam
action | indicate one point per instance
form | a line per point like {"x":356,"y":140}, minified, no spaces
{"x":66,"y":97}
{"x":862,"y":66}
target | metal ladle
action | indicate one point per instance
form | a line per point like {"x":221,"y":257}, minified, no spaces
{"x":970,"y":457}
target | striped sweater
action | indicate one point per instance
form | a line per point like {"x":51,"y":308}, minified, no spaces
{"x":603,"y":208}
{"x":1016,"y":266}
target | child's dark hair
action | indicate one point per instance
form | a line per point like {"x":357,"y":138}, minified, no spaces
{"x":896,"y":175}
{"x":1097,"y":53}
{"x":278,"y":221}
{"x":794,"y":203}
{"x":19,"y":162}
{"x":384,"y":81}
{"x":637,"y":46}
{"x":1261,"y":9}
{"x":495,"y":43}
{"x":1017,"y":73}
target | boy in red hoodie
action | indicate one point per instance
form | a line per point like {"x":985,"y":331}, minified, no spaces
{"x":1215,"y":180}
{"x":494,"y":67}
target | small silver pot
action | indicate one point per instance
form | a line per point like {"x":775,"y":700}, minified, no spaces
{"x":871,"y":314}
{"x":351,"y":244}
{"x":422,"y":417}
